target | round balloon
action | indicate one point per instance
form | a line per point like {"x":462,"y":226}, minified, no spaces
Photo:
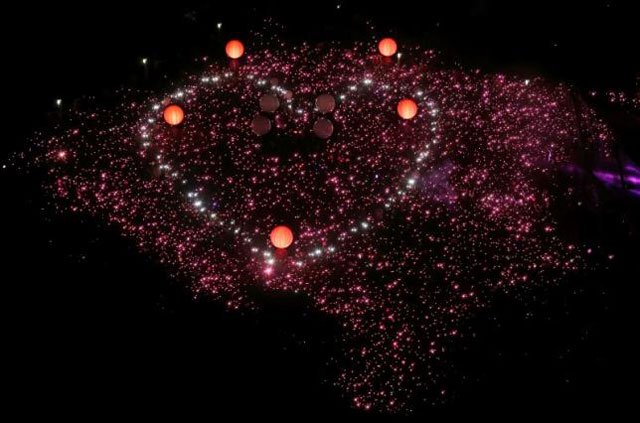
{"x":281,"y":236}
{"x":234,"y":49}
{"x":387,"y":47}
{"x":407,"y":108}
{"x":325,"y":103}
{"x":260,"y":125}
{"x":173,"y":114}
{"x":269,"y":103}
{"x":323,"y":128}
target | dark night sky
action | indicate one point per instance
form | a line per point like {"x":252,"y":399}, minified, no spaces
{"x":93,"y":326}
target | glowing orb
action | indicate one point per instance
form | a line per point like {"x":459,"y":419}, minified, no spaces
{"x":281,"y":236}
{"x":387,"y":47}
{"x":325,"y":103}
{"x":173,"y":115}
{"x":323,"y":128}
{"x":234,"y":49}
{"x":407,"y":108}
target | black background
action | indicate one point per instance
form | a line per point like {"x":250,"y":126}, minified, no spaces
{"x":91,"y":327}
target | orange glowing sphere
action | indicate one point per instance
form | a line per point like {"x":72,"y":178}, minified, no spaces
{"x":173,"y":115}
{"x":234,"y":49}
{"x":281,"y":236}
{"x":387,"y":47}
{"x":407,"y":108}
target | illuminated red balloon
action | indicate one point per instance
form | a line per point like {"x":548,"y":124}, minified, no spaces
{"x":387,"y":47}
{"x":269,"y":103}
{"x":325,"y":103}
{"x":281,"y":236}
{"x":173,"y":115}
{"x":323,"y":128}
{"x":407,"y":108}
{"x":234,"y":49}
